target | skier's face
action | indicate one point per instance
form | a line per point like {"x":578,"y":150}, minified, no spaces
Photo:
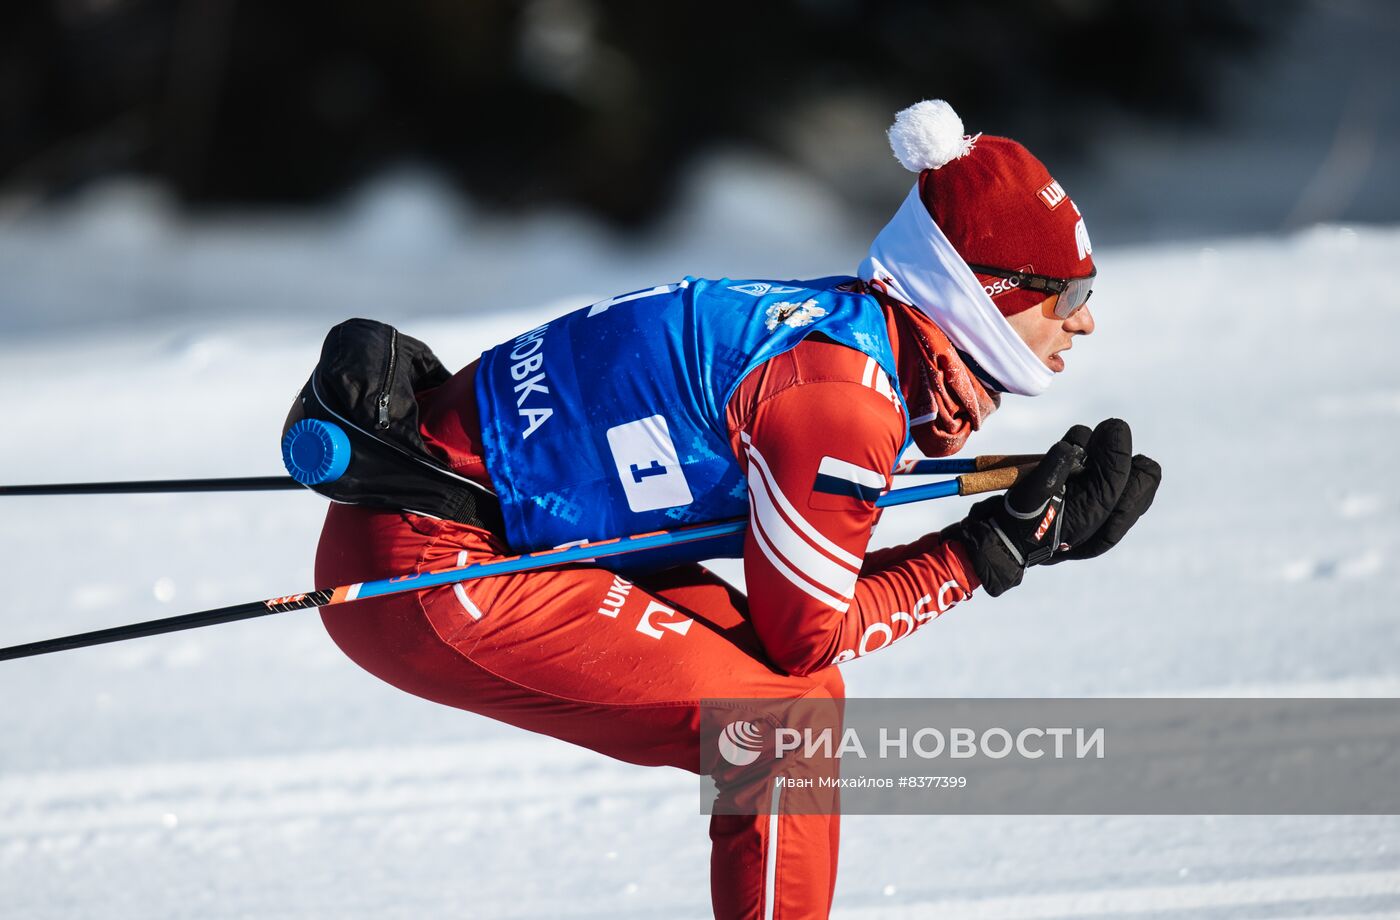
{"x":1047,"y":335}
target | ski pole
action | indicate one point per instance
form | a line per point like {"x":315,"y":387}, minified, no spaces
{"x":968,"y":484}
{"x":236,"y":484}
{"x":949,"y":466}
{"x":953,"y":465}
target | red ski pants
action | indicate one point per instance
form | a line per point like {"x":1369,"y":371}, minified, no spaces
{"x":584,"y":656}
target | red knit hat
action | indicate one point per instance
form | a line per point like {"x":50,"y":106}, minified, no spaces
{"x":995,"y":202}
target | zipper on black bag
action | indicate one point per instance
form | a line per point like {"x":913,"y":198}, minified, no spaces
{"x":388,"y":377}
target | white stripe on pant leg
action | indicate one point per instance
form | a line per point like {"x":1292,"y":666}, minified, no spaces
{"x":465,"y":601}
{"x":461,"y":592}
{"x":770,"y":872}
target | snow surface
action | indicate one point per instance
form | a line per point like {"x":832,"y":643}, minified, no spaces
{"x":250,"y":770}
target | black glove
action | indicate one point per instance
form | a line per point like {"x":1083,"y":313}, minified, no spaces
{"x":1080,"y":500}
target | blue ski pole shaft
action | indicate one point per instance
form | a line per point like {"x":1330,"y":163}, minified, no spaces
{"x":969,"y":484}
{"x":949,"y":466}
{"x":587,"y":552}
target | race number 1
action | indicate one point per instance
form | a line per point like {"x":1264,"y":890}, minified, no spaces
{"x":647,"y":465}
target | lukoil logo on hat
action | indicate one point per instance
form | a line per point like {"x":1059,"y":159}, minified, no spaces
{"x":741,"y":742}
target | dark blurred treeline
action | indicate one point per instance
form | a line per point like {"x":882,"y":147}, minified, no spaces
{"x":581,"y":102}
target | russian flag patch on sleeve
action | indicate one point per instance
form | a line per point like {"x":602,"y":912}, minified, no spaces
{"x":843,"y":479}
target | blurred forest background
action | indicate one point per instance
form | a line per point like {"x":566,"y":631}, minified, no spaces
{"x":198,"y":161}
{"x":602,"y":106}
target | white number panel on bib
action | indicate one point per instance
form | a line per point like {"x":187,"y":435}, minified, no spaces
{"x":647,"y":465}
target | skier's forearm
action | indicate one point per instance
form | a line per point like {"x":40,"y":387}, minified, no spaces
{"x":938,"y":543}
{"x":916,"y":583}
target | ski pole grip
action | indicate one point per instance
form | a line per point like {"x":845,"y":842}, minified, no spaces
{"x":997,"y":461}
{"x":993,"y":480}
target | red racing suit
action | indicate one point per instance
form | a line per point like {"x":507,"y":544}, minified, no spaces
{"x":621,"y":666}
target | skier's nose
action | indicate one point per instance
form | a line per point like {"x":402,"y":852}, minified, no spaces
{"x":1081,"y":322}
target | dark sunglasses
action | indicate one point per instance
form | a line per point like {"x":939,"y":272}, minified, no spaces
{"x":1074,"y":292}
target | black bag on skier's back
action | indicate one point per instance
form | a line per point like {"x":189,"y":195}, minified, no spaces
{"x":367,"y":383}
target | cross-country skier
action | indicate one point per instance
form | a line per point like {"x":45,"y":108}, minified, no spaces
{"x":786,"y":401}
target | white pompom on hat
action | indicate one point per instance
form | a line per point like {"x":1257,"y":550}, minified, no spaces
{"x":928,"y":135}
